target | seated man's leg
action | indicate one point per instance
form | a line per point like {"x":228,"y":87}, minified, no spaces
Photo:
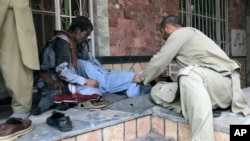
{"x":196,"y":106}
{"x":44,"y":104}
{"x":239,"y":102}
{"x":133,"y":90}
{"x":88,"y":70}
{"x":118,"y":81}
{"x":46,"y":101}
{"x":110,"y":81}
{"x":199,"y":95}
{"x":82,"y":65}
{"x":113,"y":81}
{"x":88,"y":92}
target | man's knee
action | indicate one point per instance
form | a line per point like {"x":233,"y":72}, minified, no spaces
{"x":156,"y":99}
{"x":183,"y":80}
{"x":81,"y":62}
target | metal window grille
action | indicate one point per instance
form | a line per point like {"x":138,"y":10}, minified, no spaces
{"x":50,"y":15}
{"x":209,"y":16}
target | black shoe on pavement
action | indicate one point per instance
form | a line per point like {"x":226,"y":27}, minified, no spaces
{"x":60,"y":121}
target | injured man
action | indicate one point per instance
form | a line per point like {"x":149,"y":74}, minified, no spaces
{"x":70,"y":74}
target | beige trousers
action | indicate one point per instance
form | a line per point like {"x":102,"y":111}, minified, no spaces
{"x":18,"y":79}
{"x":201,"y":91}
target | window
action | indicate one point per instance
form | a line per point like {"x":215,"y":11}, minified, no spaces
{"x":209,"y":16}
{"x":50,"y":15}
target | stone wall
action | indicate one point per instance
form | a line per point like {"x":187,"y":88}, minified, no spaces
{"x":134,"y":25}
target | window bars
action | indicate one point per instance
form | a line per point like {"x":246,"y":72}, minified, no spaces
{"x":209,"y":16}
{"x":50,"y":15}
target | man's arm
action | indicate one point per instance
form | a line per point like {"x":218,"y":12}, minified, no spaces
{"x":63,"y":68}
{"x":163,"y":58}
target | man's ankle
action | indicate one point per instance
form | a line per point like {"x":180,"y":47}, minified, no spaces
{"x":137,"y":78}
{"x":21,"y":116}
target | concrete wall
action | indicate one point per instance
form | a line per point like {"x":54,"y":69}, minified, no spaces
{"x":237,"y":20}
{"x":101,"y":29}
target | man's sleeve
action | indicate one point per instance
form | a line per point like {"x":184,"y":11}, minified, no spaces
{"x":63,"y":68}
{"x":163,"y":58}
{"x":69,"y":75}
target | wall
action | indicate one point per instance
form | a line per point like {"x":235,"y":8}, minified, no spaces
{"x":237,"y":20}
{"x":134,"y":25}
{"x":248,"y":45}
{"x":101,"y":30}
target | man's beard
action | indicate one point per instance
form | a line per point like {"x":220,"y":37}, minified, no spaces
{"x":165,"y":37}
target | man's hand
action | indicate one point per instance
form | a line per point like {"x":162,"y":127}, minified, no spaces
{"x":57,"y":85}
{"x":137,"y":78}
{"x":91,"y":82}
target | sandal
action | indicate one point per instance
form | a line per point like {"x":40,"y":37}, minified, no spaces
{"x":92,"y":105}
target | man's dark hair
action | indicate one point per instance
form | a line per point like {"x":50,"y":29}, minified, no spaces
{"x":81,"y":22}
{"x":171,"y":19}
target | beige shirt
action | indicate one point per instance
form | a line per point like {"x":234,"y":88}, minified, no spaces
{"x":188,"y":46}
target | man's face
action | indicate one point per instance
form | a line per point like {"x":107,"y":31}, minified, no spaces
{"x":82,"y":36}
{"x":165,"y":32}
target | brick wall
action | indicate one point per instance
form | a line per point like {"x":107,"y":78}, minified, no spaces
{"x":134,"y":25}
{"x":136,"y":128}
{"x":237,"y":14}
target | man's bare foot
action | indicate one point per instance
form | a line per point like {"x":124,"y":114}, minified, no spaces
{"x":137,"y":78}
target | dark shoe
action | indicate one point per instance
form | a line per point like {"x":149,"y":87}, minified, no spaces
{"x":60,"y":121}
{"x":13,"y":128}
